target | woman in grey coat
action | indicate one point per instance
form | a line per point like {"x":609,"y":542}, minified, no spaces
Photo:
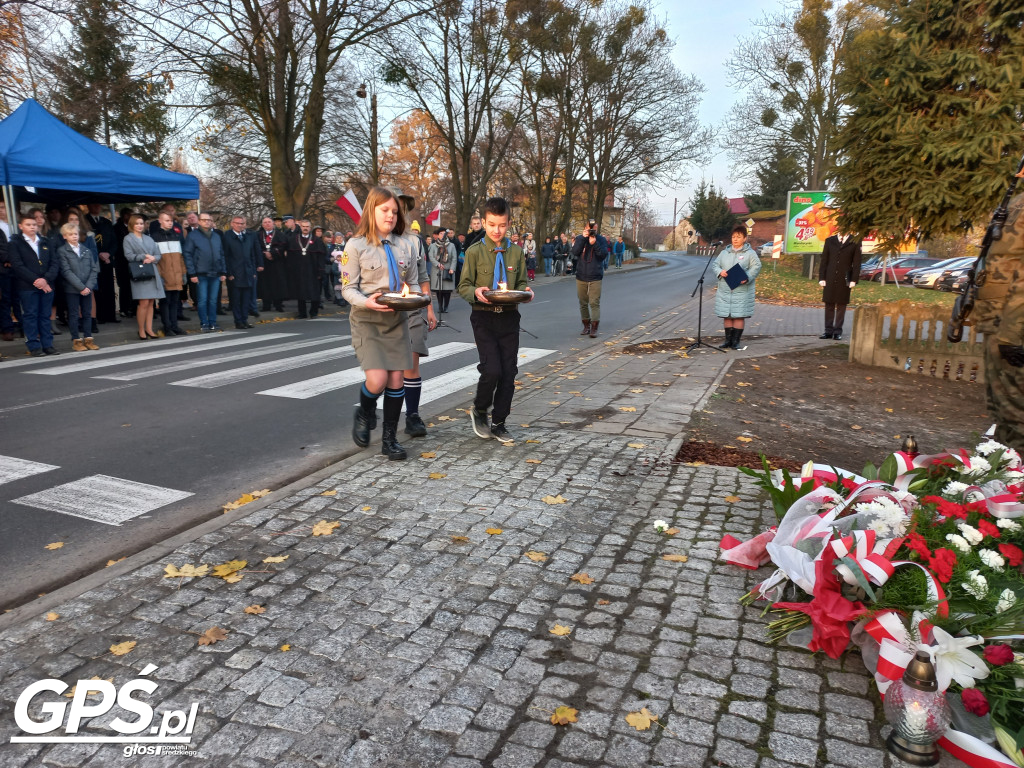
{"x":80,"y":272}
{"x":140,"y":247}
{"x":735,"y":305}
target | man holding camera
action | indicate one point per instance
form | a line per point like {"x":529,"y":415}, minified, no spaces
{"x":589,"y":251}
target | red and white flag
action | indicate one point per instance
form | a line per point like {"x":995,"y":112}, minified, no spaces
{"x":350,"y":205}
{"x":434,"y":217}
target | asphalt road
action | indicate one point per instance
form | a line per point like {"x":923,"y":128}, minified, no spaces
{"x":156,"y":436}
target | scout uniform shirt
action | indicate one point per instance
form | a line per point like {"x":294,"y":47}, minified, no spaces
{"x":364,"y":269}
{"x":478,"y":269}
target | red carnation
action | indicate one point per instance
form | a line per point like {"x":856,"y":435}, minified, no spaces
{"x":942,"y":563}
{"x":988,"y":529}
{"x":915,"y":542}
{"x":974,"y":701}
{"x":945,"y":507}
{"x":998,"y":654}
{"x":847,"y":483}
{"x":1014,"y":555}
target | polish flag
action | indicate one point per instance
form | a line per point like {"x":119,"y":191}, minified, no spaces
{"x":350,"y":205}
{"x":434,"y":217}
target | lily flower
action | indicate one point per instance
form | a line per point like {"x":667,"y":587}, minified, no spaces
{"x":954,"y":660}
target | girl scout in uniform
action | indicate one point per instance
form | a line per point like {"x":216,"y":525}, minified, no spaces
{"x":379,"y":260}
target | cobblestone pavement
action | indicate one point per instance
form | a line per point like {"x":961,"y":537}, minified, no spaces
{"x":391,"y":642}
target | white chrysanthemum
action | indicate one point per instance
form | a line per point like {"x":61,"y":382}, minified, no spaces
{"x":885,"y":517}
{"x":969,"y":532}
{"x":1012,"y":458}
{"x":660,"y":526}
{"x":959,"y":542}
{"x":954,"y":488}
{"x":979,"y":466}
{"x":989,"y":446}
{"x":1006,"y":601}
{"x":992,"y":559}
{"x":976,"y":584}
{"x":1008,"y":525}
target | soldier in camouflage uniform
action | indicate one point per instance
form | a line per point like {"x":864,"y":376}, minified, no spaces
{"x":999,"y":315}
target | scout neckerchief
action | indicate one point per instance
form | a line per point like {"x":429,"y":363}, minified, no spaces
{"x":394,"y":281}
{"x":499,"y":264}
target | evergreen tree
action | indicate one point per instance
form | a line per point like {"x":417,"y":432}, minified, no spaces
{"x":936,"y":96}
{"x":777,"y":176}
{"x":96,"y":91}
{"x":710,"y":214}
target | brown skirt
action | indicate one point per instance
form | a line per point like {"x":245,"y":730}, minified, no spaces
{"x":418,"y":332}
{"x":380,"y":339}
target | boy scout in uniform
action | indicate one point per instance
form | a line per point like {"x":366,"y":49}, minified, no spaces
{"x":495,"y":328}
{"x":999,"y":315}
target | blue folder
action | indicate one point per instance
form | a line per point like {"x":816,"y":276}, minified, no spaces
{"x":735,"y":276}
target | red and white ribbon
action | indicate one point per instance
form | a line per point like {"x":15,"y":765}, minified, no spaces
{"x":867,"y":554}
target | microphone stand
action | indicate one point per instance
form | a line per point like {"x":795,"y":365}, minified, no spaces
{"x":699,"y":289}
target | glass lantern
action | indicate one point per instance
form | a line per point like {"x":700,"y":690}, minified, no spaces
{"x":917,"y":712}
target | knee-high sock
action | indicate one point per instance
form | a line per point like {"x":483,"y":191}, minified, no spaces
{"x":413,"y":387}
{"x":368,"y":399}
{"x":393,"y":404}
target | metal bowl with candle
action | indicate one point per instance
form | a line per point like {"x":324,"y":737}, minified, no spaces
{"x":405,"y":301}
{"x":504,"y":296}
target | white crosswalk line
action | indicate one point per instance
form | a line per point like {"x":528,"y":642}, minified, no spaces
{"x":12,"y":468}
{"x":103,"y":499}
{"x":158,"y":352}
{"x":303,"y":390}
{"x":235,"y":375}
{"x":187,"y":365}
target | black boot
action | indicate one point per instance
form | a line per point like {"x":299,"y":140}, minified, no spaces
{"x":736,"y":333}
{"x":586,"y":328}
{"x":593,"y":329}
{"x":389,"y":445}
{"x":365,"y":419}
{"x":728,"y":340}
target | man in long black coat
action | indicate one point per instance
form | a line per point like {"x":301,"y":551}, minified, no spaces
{"x":839,"y":272}
{"x":106,"y":242}
{"x":307,"y":256}
{"x":272,"y":283}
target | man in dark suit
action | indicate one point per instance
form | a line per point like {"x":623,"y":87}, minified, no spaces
{"x":839,"y":272}
{"x":244,"y":259}
{"x":35,"y":266}
{"x":106,"y":242}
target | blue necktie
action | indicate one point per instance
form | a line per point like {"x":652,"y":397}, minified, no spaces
{"x":499,"y":266}
{"x":393,"y":278}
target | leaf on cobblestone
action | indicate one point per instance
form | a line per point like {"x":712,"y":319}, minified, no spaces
{"x":564,"y":716}
{"x":445,"y":418}
{"x":244,"y":499}
{"x":560,"y":629}
{"x":186,"y":571}
{"x":641,"y":720}
{"x":329,"y":493}
{"x":537,"y":557}
{"x":636,"y":391}
{"x":604,"y":602}
{"x":627,"y":408}
{"x":429,"y":455}
{"x":671,"y":531}
{"x":533,"y":461}
{"x":494,"y":531}
{"x":52,"y":616}
{"x":744,"y":439}
{"x":855,"y":426}
{"x":461,"y":539}
{"x":324,"y":528}
{"x":732,"y":499}
{"x":695,"y":464}
{"x":672,"y":558}
{"x":549,"y":499}
{"x":437,"y":476}
{"x":91,"y":691}
{"x":112,"y":562}
{"x":555,"y":402}
{"x":635,"y":445}
{"x":582,"y":578}
{"x":534,"y":441}
{"x":213,"y":635}
{"x":367,"y":509}
{"x":226,"y":569}
{"x":255,"y":609}
{"x":286,"y":647}
{"x":54,"y":545}
{"x":233,"y":578}
{"x":525,"y":426}
{"x":120,"y":649}
{"x":276,"y":559}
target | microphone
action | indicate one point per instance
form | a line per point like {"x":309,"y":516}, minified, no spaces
{"x":717,"y":243}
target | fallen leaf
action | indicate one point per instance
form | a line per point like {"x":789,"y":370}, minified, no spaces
{"x":493,"y":531}
{"x":276,"y":559}
{"x":537,"y":557}
{"x":635,"y":445}
{"x":286,"y":647}
{"x":742,"y":383}
{"x":732,"y":499}
{"x":855,"y":426}
{"x":560,"y":629}
{"x":255,"y":609}
{"x":582,"y":578}
{"x":445,"y":418}
{"x":436,"y":476}
{"x":186,"y":571}
{"x":888,"y":410}
{"x":533,"y":461}
{"x":627,"y":408}
{"x":641,"y":720}
{"x":329,"y":493}
{"x":54,"y":545}
{"x":112,"y":562}
{"x":227,"y":569}
{"x":549,"y":499}
{"x":212,"y":635}
{"x":604,"y":602}
{"x":461,"y":539}
{"x":554,"y":402}
{"x":671,"y":531}
{"x":367,"y":509}
{"x":244,"y":499}
{"x":525,"y":426}
{"x":533,"y":441}
{"x":429,"y":455}
{"x":744,"y":439}
{"x":324,"y":528}
{"x":675,"y":558}
{"x":636,"y":391}
{"x":120,"y":649}
{"x":51,"y":616}
{"x":564,"y":716}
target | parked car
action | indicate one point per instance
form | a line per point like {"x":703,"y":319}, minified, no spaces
{"x":766,"y":251}
{"x":926,"y":277}
{"x":896,"y":269}
{"x":952,"y":276}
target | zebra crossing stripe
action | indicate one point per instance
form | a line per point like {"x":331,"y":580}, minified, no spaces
{"x":103,"y":499}
{"x":12,"y":468}
{"x":303,"y":390}
{"x":158,"y":353}
{"x":235,"y":375}
{"x":187,"y":365}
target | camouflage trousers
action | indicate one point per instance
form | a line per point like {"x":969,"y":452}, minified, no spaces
{"x":1005,"y":390}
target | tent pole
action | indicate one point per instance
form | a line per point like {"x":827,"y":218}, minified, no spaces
{"x":9,"y":204}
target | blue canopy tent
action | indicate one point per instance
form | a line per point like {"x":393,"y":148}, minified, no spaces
{"x":48,"y":162}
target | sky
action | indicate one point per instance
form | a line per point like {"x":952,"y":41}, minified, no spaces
{"x":706,"y":33}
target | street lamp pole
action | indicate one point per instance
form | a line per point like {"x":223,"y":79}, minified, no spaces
{"x":675,"y":204}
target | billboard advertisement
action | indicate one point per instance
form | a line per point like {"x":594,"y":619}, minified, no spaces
{"x":809,"y":221}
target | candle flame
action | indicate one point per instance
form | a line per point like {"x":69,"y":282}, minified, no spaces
{"x":405,"y":290}
{"x":502,"y":286}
